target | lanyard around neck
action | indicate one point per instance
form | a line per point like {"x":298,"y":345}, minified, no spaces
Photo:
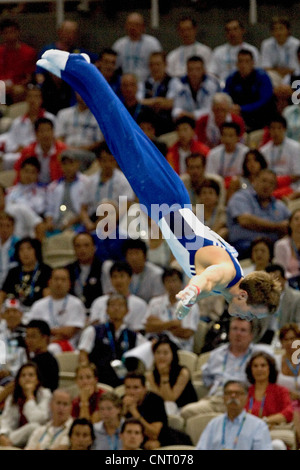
{"x":261,"y":408}
{"x":237,"y":434}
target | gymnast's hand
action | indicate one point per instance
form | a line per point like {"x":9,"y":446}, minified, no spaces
{"x":188,"y":295}
{"x":55,"y":61}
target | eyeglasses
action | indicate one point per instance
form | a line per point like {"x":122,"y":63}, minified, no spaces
{"x":227,"y":393}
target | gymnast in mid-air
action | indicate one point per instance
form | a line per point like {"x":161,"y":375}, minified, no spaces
{"x":208,"y":260}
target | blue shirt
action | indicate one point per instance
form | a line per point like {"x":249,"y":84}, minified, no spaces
{"x":245,"y":201}
{"x":246,"y":432}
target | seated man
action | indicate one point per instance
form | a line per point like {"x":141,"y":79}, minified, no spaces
{"x":223,"y":60}
{"x":252,"y":432}
{"x":46,"y":148}
{"x":209,"y":261}
{"x":146,"y":276}
{"x":282,"y":156}
{"x":120,"y":278}
{"x":227,"y":158}
{"x":64,"y":312}
{"x":109,"y":341}
{"x":65,"y":196}
{"x":85,"y":271}
{"x":254,"y":212}
{"x":195,"y":90}
{"x":17,"y":61}
{"x":28,"y":190}
{"x":251,"y":91}
{"x":187,"y":30}
{"x":161,"y":314}
{"x":208,"y":126}
{"x":77,"y":127}
{"x":37,"y":340}
{"x":21,"y":132}
{"x":54,"y":434}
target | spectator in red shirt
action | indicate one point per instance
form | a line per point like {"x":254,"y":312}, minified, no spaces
{"x":267,"y":399}
{"x":186,"y":144}
{"x":17,"y":61}
{"x":46,"y":149}
{"x":208,"y":126}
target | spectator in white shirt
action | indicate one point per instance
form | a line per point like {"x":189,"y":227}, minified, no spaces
{"x":135,"y":48}
{"x":64,"y":312}
{"x":77,"y":127}
{"x":65,"y":196}
{"x":146,"y":279}
{"x":195,"y":90}
{"x":120,"y":276}
{"x":28,"y":190}
{"x":161,"y":313}
{"x":109,"y":183}
{"x":187,"y":29}
{"x":279,"y":52}
{"x":282,"y":153}
{"x":224,"y":57}
{"x":227,"y":158}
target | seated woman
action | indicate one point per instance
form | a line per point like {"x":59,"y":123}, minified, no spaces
{"x":86,"y":404}
{"x":261,"y":254}
{"x":169,"y":379}
{"x":266,"y":398}
{"x":28,"y":281}
{"x":287,"y":250}
{"x":108,"y":430}
{"x":26,"y":408}
{"x":289,"y":371}
{"x":254,"y":161}
{"x":214,"y":212}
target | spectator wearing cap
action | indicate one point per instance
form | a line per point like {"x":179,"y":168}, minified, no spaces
{"x":65,"y":196}
{"x":12,"y":333}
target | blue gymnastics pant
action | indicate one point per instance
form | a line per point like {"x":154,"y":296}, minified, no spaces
{"x":151,"y":177}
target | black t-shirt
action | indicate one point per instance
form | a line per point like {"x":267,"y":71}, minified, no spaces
{"x":48,"y":368}
{"x":27,"y":286}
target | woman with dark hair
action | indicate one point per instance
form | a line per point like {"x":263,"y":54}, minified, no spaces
{"x":26,"y":408}
{"x":266,"y":398}
{"x":254,"y":161}
{"x":29,"y":280}
{"x":169,"y":379}
{"x":261,"y":254}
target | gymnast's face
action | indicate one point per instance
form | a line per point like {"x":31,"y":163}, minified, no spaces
{"x":238,"y":307}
